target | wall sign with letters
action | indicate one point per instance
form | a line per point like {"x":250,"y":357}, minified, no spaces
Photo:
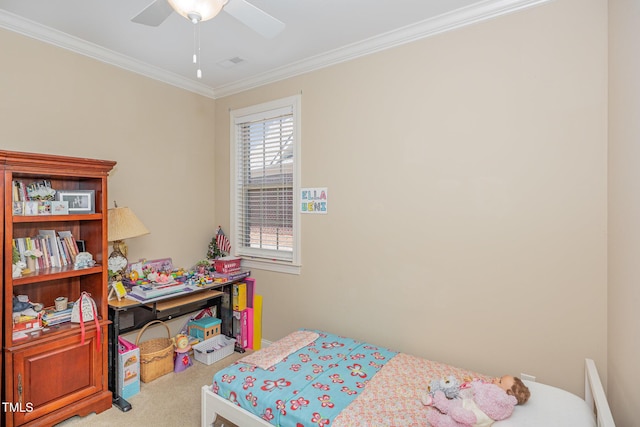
{"x":314,"y":200}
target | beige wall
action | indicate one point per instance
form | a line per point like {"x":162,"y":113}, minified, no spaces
{"x":55,"y":101}
{"x":467,"y":210}
{"x":624,"y":210}
{"x":467,"y":176}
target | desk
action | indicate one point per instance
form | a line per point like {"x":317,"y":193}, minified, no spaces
{"x":128,"y":315}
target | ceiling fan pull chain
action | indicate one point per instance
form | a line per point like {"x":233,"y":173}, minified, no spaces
{"x":199,"y":72}
{"x":195,"y":43}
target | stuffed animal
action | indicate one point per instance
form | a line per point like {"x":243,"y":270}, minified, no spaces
{"x":480,"y":405}
{"x":450,"y":386}
{"x":21,"y":303}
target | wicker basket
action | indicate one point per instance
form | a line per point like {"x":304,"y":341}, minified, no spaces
{"x":156,"y":355}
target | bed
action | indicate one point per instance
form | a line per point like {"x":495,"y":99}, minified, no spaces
{"x":314,"y":378}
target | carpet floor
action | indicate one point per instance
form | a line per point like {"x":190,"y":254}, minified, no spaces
{"x":171,"y":400}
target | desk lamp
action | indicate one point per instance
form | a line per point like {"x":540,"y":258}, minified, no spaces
{"x":123,"y":224}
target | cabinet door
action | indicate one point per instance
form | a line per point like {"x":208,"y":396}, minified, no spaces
{"x":50,"y":376}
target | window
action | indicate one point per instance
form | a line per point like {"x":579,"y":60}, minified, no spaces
{"x":265,"y":141}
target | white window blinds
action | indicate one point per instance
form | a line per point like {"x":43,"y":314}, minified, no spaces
{"x":265,"y":150}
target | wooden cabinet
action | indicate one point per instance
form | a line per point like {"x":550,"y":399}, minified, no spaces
{"x":52,"y":374}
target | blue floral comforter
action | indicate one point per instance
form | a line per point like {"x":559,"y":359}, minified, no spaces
{"x":309,"y":387}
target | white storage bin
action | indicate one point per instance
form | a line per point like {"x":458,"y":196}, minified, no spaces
{"x":214,"y":349}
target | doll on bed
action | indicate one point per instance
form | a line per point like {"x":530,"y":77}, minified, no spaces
{"x":479,"y":405}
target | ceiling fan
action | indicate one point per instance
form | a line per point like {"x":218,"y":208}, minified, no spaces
{"x":202,"y":10}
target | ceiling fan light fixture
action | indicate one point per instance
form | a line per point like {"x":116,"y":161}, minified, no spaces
{"x":206,"y":9}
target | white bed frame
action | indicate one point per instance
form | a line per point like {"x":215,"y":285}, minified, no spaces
{"x":214,"y":405}
{"x":595,"y":396}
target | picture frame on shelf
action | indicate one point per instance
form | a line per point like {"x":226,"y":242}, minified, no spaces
{"x":59,"y":207}
{"x":44,"y":207}
{"x":31,"y":208}
{"x":18,"y":208}
{"x":79,"y":201}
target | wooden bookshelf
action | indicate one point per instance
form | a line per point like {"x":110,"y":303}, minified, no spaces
{"x":51,"y":374}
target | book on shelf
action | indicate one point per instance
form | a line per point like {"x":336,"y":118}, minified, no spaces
{"x":20,"y":244}
{"x":158,"y":290}
{"x":52,"y":317}
{"x":70,"y":245}
{"x":38,"y":189}
{"x":52,"y":246}
{"x":64,"y":252}
{"x":58,"y":250}
{"x":19,"y":191}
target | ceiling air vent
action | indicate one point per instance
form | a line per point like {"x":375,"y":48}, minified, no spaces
{"x":231,"y":62}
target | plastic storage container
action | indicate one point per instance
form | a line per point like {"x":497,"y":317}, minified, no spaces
{"x":214,"y":349}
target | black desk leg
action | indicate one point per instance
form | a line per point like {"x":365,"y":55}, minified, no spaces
{"x":117,"y":401}
{"x":226,"y":314}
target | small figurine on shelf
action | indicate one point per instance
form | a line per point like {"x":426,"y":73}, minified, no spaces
{"x":17,"y":269}
{"x":18,"y":265}
{"x":84,"y":260}
{"x":30,"y":256}
{"x":21,"y":303}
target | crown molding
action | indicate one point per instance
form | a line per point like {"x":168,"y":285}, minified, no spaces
{"x":430,"y":27}
{"x":458,"y":18}
{"x":49,"y":35}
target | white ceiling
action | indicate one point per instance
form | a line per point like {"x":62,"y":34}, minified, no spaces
{"x":318,"y":33}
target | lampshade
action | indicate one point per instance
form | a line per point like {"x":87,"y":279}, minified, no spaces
{"x":124,"y":224}
{"x":205,"y":9}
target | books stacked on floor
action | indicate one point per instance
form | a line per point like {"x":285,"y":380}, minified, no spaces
{"x":150,"y":290}
{"x":52,"y":317}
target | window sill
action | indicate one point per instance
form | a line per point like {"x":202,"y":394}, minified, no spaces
{"x":268,"y":265}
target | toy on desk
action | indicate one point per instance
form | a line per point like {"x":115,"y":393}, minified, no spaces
{"x":117,"y":289}
{"x":178,"y":273}
{"x":204,"y":280}
{"x":183,"y":360}
{"x":203,"y":266}
{"x":159,"y":277}
{"x":198,"y":280}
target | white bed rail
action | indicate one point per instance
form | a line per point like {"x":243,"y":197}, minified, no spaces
{"x":595,"y":396}
{"x":214,"y":405}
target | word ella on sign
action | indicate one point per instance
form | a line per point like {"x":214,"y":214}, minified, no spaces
{"x":314,"y":200}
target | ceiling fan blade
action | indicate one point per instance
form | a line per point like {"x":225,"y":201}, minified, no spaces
{"x":154,"y":14}
{"x":254,"y":18}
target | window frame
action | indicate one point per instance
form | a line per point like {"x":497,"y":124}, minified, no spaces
{"x":252,"y":258}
